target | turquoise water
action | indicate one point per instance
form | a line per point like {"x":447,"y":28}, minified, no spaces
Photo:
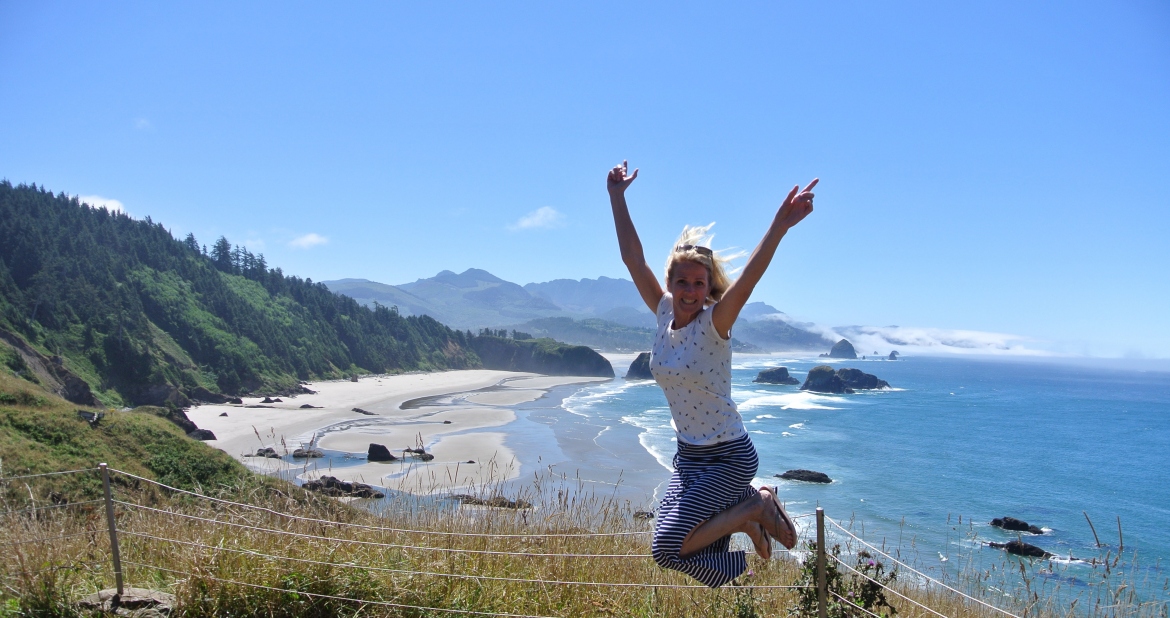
{"x":955,"y":438}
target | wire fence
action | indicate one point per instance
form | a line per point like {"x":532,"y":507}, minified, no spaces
{"x":920,"y":574}
{"x":152,"y":542}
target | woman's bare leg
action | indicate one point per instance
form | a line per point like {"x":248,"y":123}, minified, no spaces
{"x":758,"y":510}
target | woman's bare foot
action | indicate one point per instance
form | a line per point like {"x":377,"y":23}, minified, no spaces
{"x":760,"y":539}
{"x":775,"y":520}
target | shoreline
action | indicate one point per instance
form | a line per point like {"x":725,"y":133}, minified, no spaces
{"x":479,"y":416}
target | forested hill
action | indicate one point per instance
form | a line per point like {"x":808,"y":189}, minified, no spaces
{"x":145,"y":318}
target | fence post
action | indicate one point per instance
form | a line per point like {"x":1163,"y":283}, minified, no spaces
{"x":113,"y":529}
{"x":822,"y":586}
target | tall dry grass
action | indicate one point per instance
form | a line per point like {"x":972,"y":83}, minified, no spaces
{"x":292,"y":553}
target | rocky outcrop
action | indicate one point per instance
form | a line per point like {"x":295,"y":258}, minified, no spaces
{"x":202,"y":434}
{"x":776,"y":375}
{"x":842,"y":349}
{"x":893,"y":355}
{"x":161,"y":395}
{"x":822,"y":379}
{"x":417,"y":452}
{"x":858,"y":379}
{"x":366,"y":412}
{"x":543,"y":356}
{"x":204,"y":395}
{"x":307,"y":453}
{"x":1015,"y":525}
{"x":640,"y":368}
{"x":50,"y":372}
{"x":378,"y":452}
{"x":140,"y":602}
{"x":1021,"y":548}
{"x":808,"y":476}
{"x":496,"y":501}
{"x":267,"y":452}
{"x":309,"y":406}
{"x":331,"y":486}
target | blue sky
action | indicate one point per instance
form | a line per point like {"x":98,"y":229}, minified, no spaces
{"x":998,"y":168}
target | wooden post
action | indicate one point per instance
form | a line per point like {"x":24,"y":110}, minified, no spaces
{"x":113,"y":528}
{"x":822,"y":586}
{"x":1120,"y":539}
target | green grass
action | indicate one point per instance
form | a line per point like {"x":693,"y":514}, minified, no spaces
{"x":40,"y":432}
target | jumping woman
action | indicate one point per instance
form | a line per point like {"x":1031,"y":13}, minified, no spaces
{"x":710,"y":494}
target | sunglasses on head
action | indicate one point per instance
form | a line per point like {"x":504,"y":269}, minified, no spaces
{"x":697,"y":249}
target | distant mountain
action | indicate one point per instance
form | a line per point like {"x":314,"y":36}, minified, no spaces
{"x":605,"y":335}
{"x":472,"y":299}
{"x":603,"y":313}
{"x":590,"y":297}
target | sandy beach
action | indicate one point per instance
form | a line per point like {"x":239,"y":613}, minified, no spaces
{"x":450,"y":414}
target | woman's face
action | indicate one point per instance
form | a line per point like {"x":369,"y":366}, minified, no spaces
{"x":689,"y":285}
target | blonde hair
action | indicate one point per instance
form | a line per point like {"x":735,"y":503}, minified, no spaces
{"x":693,"y":245}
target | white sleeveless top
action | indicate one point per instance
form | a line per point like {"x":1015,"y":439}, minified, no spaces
{"x":693,"y":366}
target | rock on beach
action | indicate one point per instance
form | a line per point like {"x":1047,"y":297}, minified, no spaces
{"x":331,"y":486}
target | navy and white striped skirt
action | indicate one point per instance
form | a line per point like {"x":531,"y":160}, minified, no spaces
{"x":707,"y":480}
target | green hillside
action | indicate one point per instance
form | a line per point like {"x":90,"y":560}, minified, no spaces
{"x":142,"y":317}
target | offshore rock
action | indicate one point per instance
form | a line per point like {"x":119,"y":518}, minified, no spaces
{"x":1017,"y":525}
{"x":1021,"y":548}
{"x":893,"y":355}
{"x":640,"y":368}
{"x":378,"y":452}
{"x":776,"y":375}
{"x":808,"y":476}
{"x":856,"y":378}
{"x":308,"y":453}
{"x":331,"y":486}
{"x":843,"y":349}
{"x":822,"y":379}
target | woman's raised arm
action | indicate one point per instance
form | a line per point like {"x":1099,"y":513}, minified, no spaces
{"x":795,"y":208}
{"x":631,"y":246}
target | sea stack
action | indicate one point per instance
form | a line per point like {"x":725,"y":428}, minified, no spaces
{"x":843,"y":349}
{"x":823,"y":379}
{"x":776,"y":375}
{"x":640,"y":368}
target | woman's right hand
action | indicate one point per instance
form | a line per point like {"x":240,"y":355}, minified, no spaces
{"x":617,"y":181}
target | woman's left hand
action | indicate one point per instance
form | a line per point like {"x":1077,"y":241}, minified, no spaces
{"x":797,"y":205}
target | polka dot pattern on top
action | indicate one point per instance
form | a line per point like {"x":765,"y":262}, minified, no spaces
{"x":692,"y":364}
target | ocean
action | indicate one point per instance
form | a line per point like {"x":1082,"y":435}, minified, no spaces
{"x":924,"y":466}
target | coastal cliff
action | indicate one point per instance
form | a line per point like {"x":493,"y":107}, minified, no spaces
{"x":540,"y":356}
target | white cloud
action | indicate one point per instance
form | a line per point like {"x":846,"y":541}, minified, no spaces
{"x":910,"y":339}
{"x":544,"y":217}
{"x":308,"y":241}
{"x":98,"y":201}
